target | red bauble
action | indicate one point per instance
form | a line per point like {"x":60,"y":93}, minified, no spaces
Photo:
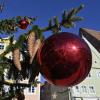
{"x":23,"y":24}
{"x":65,"y":59}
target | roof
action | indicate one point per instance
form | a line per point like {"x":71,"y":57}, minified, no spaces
{"x":92,"y":36}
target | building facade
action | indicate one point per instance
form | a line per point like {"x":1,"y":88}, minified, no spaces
{"x":89,"y":89}
{"x":30,"y":93}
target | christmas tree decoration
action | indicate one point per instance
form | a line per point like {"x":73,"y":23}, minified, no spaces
{"x":23,"y":24}
{"x":30,"y":43}
{"x":35,"y":49}
{"x":65,"y":59}
{"x":16,"y":59}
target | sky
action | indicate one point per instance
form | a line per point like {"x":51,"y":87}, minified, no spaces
{"x":46,"y":9}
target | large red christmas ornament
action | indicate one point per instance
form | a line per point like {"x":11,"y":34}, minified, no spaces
{"x":23,"y":24}
{"x":65,"y":59}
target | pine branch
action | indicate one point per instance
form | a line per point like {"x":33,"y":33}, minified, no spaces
{"x":15,"y":84}
{"x":68,"y":20}
{"x":19,"y":84}
{"x":10,"y":26}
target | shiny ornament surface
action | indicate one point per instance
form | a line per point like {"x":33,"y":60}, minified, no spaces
{"x":23,"y":24}
{"x":65,"y":59}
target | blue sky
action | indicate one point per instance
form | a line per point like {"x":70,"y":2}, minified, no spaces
{"x":46,"y":9}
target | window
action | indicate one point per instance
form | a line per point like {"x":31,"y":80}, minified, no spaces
{"x":75,"y":98}
{"x":31,"y":89}
{"x":91,"y":89}
{"x":98,"y":74}
{"x":89,"y":75}
{"x":1,"y":46}
{"x":10,"y":57}
{"x":77,"y":88}
{"x":89,"y":98}
{"x":84,"y":89}
{"x":95,"y":61}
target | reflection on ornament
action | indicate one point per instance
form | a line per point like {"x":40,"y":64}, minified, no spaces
{"x":65,"y":59}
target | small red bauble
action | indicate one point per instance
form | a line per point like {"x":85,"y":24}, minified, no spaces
{"x":23,"y":24}
{"x":65,"y":59}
